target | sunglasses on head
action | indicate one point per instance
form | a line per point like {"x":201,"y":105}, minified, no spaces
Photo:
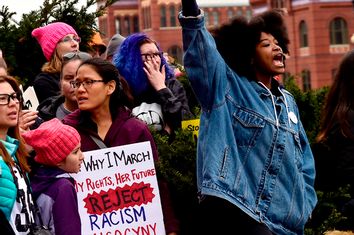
{"x":76,"y":55}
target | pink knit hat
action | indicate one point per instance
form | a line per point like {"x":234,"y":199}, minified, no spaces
{"x":48,"y":36}
{"x":52,"y":141}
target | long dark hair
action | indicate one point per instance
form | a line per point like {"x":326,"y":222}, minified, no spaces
{"x":339,"y":100}
{"x":14,"y":132}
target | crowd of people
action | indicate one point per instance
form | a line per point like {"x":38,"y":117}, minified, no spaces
{"x":256,"y":170}
{"x":84,"y":104}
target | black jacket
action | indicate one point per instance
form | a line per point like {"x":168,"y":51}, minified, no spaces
{"x":46,"y":85}
{"x":173,"y":101}
{"x":48,"y":108}
{"x":5,"y":227}
{"x":334,"y":159}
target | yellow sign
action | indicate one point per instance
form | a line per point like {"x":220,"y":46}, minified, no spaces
{"x":191,"y":125}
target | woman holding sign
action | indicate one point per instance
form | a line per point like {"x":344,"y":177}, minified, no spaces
{"x":103,"y":119}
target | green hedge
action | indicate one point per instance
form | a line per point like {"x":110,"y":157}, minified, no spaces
{"x":176,"y":164}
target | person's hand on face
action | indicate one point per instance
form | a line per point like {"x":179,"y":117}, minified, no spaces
{"x":155,"y":76}
{"x":151,"y":57}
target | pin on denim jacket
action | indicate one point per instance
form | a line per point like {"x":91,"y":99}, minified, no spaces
{"x":252,"y":149}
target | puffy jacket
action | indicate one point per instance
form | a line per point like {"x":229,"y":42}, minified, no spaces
{"x":252,"y":148}
{"x":8,"y":190}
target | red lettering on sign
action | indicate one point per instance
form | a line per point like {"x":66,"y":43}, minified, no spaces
{"x":118,"y":198}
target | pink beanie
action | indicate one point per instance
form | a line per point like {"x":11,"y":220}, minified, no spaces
{"x":52,"y":141}
{"x":48,"y":36}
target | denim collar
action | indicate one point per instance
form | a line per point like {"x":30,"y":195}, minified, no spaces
{"x":261,"y":88}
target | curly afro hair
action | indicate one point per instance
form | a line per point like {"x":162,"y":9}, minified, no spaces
{"x":236,"y":41}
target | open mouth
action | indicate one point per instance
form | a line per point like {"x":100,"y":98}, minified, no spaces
{"x":279,"y":60}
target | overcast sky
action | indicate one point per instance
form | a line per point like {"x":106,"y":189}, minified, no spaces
{"x":24,"y":6}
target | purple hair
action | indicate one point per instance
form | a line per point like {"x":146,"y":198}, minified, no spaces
{"x":130,"y":64}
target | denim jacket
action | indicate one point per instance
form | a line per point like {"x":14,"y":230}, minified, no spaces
{"x":252,"y":149}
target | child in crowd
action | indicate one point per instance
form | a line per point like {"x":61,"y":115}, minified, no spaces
{"x":57,"y":148}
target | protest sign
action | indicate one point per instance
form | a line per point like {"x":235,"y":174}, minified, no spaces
{"x":118,"y":193}
{"x":30,"y":100}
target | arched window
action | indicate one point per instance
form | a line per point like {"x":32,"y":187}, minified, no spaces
{"x":146,"y":18}
{"x":303,"y":34}
{"x":136,"y":24}
{"x":215,"y":18}
{"x":149,"y":17}
{"x":338,"y":31}
{"x":176,"y":52}
{"x":306,"y":80}
{"x":248,"y":14}
{"x":173,"y":16}
{"x":127,"y":25}
{"x":163,"y":22}
{"x":239,"y":12}
{"x":230,"y":13}
{"x":277,"y":4}
{"x":118,"y":25}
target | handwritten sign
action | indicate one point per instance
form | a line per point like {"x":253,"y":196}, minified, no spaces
{"x":30,"y":100}
{"x":191,"y":125}
{"x":118,"y":193}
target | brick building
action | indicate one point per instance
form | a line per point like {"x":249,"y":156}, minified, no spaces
{"x":158,"y":19}
{"x":320,"y":34}
{"x":320,"y":30}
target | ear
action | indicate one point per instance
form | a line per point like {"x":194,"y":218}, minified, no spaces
{"x":62,"y":163}
{"x":111,"y":86}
